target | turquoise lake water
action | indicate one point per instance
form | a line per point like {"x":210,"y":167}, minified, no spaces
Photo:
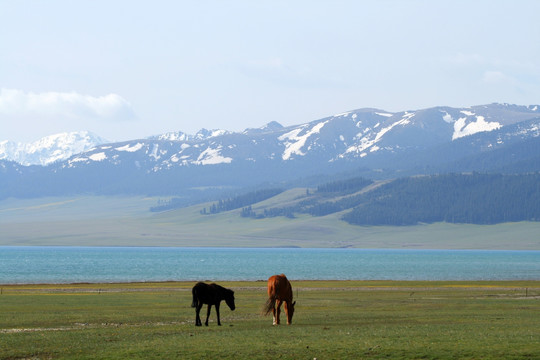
{"x":127,"y":264}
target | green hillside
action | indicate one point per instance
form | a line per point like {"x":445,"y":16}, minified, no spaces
{"x":452,"y":198}
{"x":127,"y":221}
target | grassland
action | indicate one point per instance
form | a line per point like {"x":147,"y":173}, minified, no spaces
{"x":126,"y":221}
{"x":333,"y":320}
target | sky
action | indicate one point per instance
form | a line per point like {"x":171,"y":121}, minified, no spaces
{"x":132,"y":69}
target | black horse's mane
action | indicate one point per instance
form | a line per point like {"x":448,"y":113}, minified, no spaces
{"x":222,"y":289}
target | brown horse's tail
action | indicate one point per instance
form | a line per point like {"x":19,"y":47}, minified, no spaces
{"x":269,"y":306}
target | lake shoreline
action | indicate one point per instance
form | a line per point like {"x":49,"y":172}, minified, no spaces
{"x":186,"y":285}
{"x":55,"y":265}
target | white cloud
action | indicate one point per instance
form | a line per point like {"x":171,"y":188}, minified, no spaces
{"x":17,"y":103}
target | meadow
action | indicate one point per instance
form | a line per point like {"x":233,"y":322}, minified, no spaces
{"x":127,"y":221}
{"x":333,"y":320}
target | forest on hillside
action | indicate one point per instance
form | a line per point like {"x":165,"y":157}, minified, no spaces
{"x":454,"y":198}
{"x":239,"y":201}
{"x":472,"y":198}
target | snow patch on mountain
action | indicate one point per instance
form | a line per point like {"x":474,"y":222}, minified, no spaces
{"x":172,"y":136}
{"x":368,"y":138}
{"x":447,"y":117}
{"x":156,"y":153}
{"x":202,"y":134}
{"x":212,"y":157}
{"x":98,"y":156}
{"x":461,"y":128}
{"x":130,"y":147}
{"x":467,"y":112}
{"x":294,"y":142}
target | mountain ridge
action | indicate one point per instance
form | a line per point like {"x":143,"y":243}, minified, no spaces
{"x":49,"y":149}
{"x":352,"y":134}
{"x":368,"y":142}
{"x":465,"y":122}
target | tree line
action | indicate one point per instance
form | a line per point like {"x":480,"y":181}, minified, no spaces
{"x":454,"y":198}
{"x":344,"y":187}
{"x":475,"y":198}
{"x":240,"y":201}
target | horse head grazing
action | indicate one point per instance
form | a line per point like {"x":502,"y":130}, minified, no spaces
{"x":279,"y":291}
{"x":289,"y":309}
{"x":229,"y":299}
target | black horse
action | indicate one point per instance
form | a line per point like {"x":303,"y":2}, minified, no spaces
{"x":212,"y":295}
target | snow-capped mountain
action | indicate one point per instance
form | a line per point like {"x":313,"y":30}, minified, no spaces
{"x":49,"y":149}
{"x":495,"y":137}
{"x":348,"y":136}
{"x":182,"y":136}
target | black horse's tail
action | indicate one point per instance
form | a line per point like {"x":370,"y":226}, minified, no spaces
{"x":269,"y":306}
{"x":194,"y":302}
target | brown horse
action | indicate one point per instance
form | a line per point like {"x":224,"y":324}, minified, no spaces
{"x":279,"y":291}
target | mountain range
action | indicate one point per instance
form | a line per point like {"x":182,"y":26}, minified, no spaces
{"x":49,"y":149}
{"x":366,"y":142}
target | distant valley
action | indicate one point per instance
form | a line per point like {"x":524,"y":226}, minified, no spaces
{"x":126,"y":221}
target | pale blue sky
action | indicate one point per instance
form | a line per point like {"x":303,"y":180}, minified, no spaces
{"x":128,"y":69}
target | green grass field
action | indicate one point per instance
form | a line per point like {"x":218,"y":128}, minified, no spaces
{"x":333,"y":320}
{"x":127,"y":221}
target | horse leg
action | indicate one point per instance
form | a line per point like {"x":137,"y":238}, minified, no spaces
{"x":197,"y":315}
{"x":208,"y":314}
{"x":286,"y":306}
{"x":277,"y":311}
{"x":217,"y":312}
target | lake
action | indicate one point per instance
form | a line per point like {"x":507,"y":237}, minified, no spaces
{"x":27,"y":265}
